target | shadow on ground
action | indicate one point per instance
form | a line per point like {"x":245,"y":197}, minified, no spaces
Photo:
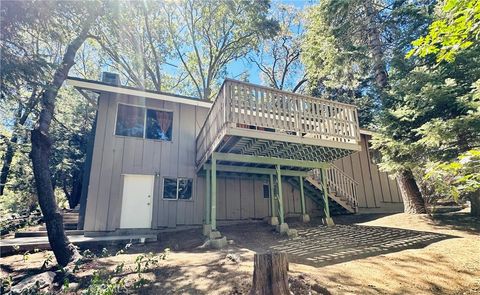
{"x":461,"y":221}
{"x":321,"y":246}
{"x":318,"y":245}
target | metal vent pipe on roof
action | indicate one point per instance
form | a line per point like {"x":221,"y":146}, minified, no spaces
{"x":111,"y":78}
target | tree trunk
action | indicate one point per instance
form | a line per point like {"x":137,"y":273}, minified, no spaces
{"x":7,"y":161}
{"x":41,"y":150}
{"x":73,"y":196}
{"x":475,"y":203}
{"x":375,"y":45}
{"x":21,"y":117}
{"x":411,"y":195}
{"x":270,"y":274}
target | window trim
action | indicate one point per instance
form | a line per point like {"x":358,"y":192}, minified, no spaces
{"x":178,"y":179}
{"x":144,"y":122}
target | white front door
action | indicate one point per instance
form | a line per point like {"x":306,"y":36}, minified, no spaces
{"x":137,"y":201}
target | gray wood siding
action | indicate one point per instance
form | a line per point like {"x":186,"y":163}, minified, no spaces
{"x":237,"y":198}
{"x":376,"y":189}
{"x":115,"y":156}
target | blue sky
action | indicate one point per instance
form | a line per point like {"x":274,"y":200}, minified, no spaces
{"x":236,"y":68}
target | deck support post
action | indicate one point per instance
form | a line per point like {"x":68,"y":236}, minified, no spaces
{"x":272,"y":195}
{"x":272,"y":219}
{"x":282,"y":227}
{"x":216,"y":240}
{"x":305,"y":217}
{"x":207,"y":226}
{"x":328,"y":220}
{"x":280,"y":193}
{"x":213,"y":212}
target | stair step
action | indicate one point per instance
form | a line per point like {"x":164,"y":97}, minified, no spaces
{"x":66,"y":226}
{"x":43,"y":233}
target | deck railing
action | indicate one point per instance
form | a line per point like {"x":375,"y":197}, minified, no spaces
{"x":252,"y":106}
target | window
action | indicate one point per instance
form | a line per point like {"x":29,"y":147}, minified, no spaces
{"x":130,"y":121}
{"x":185,"y":189}
{"x":170,"y":188}
{"x":266,"y":190}
{"x":140,"y":122}
{"x":159,"y":125}
{"x":177,"y":188}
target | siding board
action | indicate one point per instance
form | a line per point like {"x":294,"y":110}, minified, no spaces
{"x":106,"y":172}
{"x":97,"y":159}
{"x":248,"y":199}
{"x":116,"y":188}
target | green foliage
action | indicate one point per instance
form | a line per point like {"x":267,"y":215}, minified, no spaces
{"x":348,"y":45}
{"x":456,"y":178}
{"x":104,"y":282}
{"x":145,"y":261}
{"x":34,"y":37}
{"x":432,"y":114}
{"x":456,"y":28}
{"x":431,"y":118}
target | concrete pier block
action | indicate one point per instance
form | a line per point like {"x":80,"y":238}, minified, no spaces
{"x":328,"y":221}
{"x":272,"y":220}
{"x":207,"y":229}
{"x":305,"y":218}
{"x":282,"y":228}
{"x":214,"y":234}
{"x":218,"y":243}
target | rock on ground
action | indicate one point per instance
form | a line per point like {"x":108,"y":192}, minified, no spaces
{"x":33,"y":283}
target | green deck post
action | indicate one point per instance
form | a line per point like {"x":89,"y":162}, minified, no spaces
{"x":325,"y":193}
{"x":280,"y":194}
{"x":272,"y":195}
{"x":207,"y":197}
{"x":213,"y":213}
{"x":302,"y":196}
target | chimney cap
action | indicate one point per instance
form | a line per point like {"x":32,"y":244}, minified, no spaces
{"x":111,"y":78}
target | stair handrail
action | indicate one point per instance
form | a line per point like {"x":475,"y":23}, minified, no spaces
{"x":339,"y":182}
{"x":343,"y":184}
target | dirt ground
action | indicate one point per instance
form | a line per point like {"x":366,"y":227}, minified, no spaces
{"x":363,"y":254}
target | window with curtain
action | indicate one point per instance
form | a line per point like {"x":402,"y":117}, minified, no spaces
{"x":177,"y":188}
{"x":140,"y":122}
{"x":159,"y":125}
{"x":130,"y":121}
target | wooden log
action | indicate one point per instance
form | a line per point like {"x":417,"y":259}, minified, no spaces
{"x":270,"y":274}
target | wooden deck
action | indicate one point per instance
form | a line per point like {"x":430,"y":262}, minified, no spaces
{"x":255,"y":120}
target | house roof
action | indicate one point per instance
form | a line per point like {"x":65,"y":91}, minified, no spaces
{"x":98,"y":86}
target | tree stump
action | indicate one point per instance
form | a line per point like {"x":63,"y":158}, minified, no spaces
{"x":270,"y":274}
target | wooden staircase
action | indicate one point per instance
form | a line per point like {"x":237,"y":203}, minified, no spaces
{"x":342,"y":190}
{"x":70,"y":219}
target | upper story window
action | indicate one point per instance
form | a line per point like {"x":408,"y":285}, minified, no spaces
{"x":130,"y":121}
{"x":159,"y":125}
{"x":140,"y":122}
